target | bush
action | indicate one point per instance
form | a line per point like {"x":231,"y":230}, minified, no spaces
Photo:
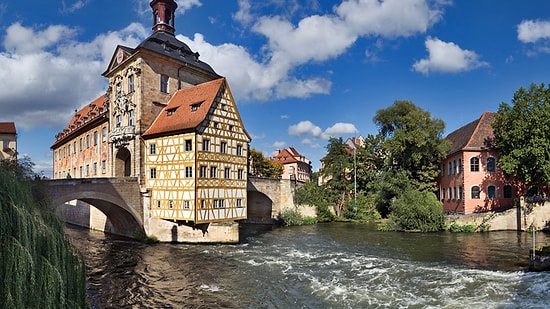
{"x":417,"y":211}
{"x":457,"y":228}
{"x":290,"y":217}
{"x":363,"y":209}
{"x":309,"y":220}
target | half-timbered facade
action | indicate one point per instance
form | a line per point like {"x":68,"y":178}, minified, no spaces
{"x":168,"y":120}
{"x":197,"y":156}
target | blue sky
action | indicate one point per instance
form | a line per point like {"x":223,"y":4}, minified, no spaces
{"x":300,"y":71}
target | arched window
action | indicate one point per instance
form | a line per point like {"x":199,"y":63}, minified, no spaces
{"x":491,"y":192}
{"x":491,"y":164}
{"x":474,"y":164}
{"x":475,"y":192}
{"x":507,"y":191}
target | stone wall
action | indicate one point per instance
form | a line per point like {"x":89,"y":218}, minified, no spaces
{"x":518,"y":218}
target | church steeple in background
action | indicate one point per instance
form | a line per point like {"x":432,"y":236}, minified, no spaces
{"x":163,"y":15}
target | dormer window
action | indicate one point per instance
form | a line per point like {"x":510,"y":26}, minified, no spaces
{"x":195,"y":106}
{"x":171,"y":111}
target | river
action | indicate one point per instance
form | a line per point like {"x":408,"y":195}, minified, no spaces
{"x":321,"y":266}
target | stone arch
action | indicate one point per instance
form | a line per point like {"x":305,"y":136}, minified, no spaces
{"x":123,"y":218}
{"x":260,"y":208}
{"x":123,"y":163}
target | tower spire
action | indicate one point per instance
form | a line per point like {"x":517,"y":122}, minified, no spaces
{"x":163,"y":15}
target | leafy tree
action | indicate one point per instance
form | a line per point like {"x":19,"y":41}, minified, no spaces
{"x":522,"y":135}
{"x":310,"y":193}
{"x":414,"y":142}
{"x":262,"y":166}
{"x":337,"y":170}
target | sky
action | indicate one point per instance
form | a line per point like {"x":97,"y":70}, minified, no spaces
{"x":301,"y":71}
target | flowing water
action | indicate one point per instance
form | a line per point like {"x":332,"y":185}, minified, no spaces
{"x":320,"y":266}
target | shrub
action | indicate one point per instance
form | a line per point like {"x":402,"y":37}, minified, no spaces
{"x":416,"y":210}
{"x":290,"y":216}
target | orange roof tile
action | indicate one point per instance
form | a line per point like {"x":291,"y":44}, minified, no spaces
{"x":187,"y":108}
{"x":475,"y":135}
{"x":7,"y":128}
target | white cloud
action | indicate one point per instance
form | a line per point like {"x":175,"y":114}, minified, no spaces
{"x":530,"y":31}
{"x":72,"y":7}
{"x":46,"y":74}
{"x":279,"y":144}
{"x":305,"y":128}
{"x":340,"y":128}
{"x":315,"y":38}
{"x":447,"y":57}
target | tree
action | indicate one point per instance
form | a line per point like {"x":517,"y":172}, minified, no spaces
{"x":264,"y":167}
{"x":337,"y":171}
{"x":522,"y":135}
{"x":413,"y":142}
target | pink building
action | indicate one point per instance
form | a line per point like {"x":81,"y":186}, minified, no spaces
{"x":295,"y":165}
{"x":470,"y":179}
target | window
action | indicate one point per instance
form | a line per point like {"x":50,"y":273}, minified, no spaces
{"x":507,"y":191}
{"x":131,"y":83}
{"x":158,"y":203}
{"x":153,"y":173}
{"x":491,"y":165}
{"x":188,"y":171}
{"x":460,"y":193}
{"x":87,"y":169}
{"x":240,"y":174}
{"x":202,"y":204}
{"x":223,"y":147}
{"x":442,"y":169}
{"x":164,"y":83}
{"x":221,"y":203}
{"x":239,"y":150}
{"x":212,"y":172}
{"x":74,"y":147}
{"x":215,"y":125}
{"x":459,"y":166}
{"x":442,"y":194}
{"x":80,"y":171}
{"x":474,"y":165}
{"x":475,"y":192}
{"x":454,"y":193}
{"x":195,"y":107}
{"x":449,"y":169}
{"x":454,"y":167}
{"x":80,"y":146}
{"x":96,"y":136}
{"x":206,"y":145}
{"x":239,"y":202}
{"x":87,"y":141}
{"x":118,"y":121}
{"x":95,"y":168}
{"x":69,"y":150}
{"x":491,"y":192}
{"x":450,"y":193}
{"x":104,"y":134}
{"x":170,"y":111}
{"x":188,"y":145}
{"x":131,"y":117}
{"x":152,"y":149}
{"x":171,"y":204}
{"x":215,"y":203}
{"x":227,"y":172}
{"x":186,"y":204}
{"x":118,"y":90}
{"x":202,"y":172}
{"x":103,"y":167}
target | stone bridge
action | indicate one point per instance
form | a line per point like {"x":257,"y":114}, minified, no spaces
{"x":118,"y":198}
{"x":127,"y":208}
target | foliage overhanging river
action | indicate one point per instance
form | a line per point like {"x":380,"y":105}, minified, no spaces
{"x":320,"y":266}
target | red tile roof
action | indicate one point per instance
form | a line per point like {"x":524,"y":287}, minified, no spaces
{"x":7,"y":128}
{"x":180,"y":114}
{"x":80,"y":118}
{"x":289,"y":155}
{"x":476,"y":135}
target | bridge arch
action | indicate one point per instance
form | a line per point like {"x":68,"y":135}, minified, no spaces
{"x":107,"y":197}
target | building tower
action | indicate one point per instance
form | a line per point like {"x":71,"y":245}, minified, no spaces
{"x":163,"y":15}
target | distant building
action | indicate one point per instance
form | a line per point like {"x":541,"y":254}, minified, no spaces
{"x":8,"y":137}
{"x":470,"y":180}
{"x":169,"y":120}
{"x":295,"y":165}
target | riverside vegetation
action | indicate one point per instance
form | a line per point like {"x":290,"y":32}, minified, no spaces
{"x":38,"y":266}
